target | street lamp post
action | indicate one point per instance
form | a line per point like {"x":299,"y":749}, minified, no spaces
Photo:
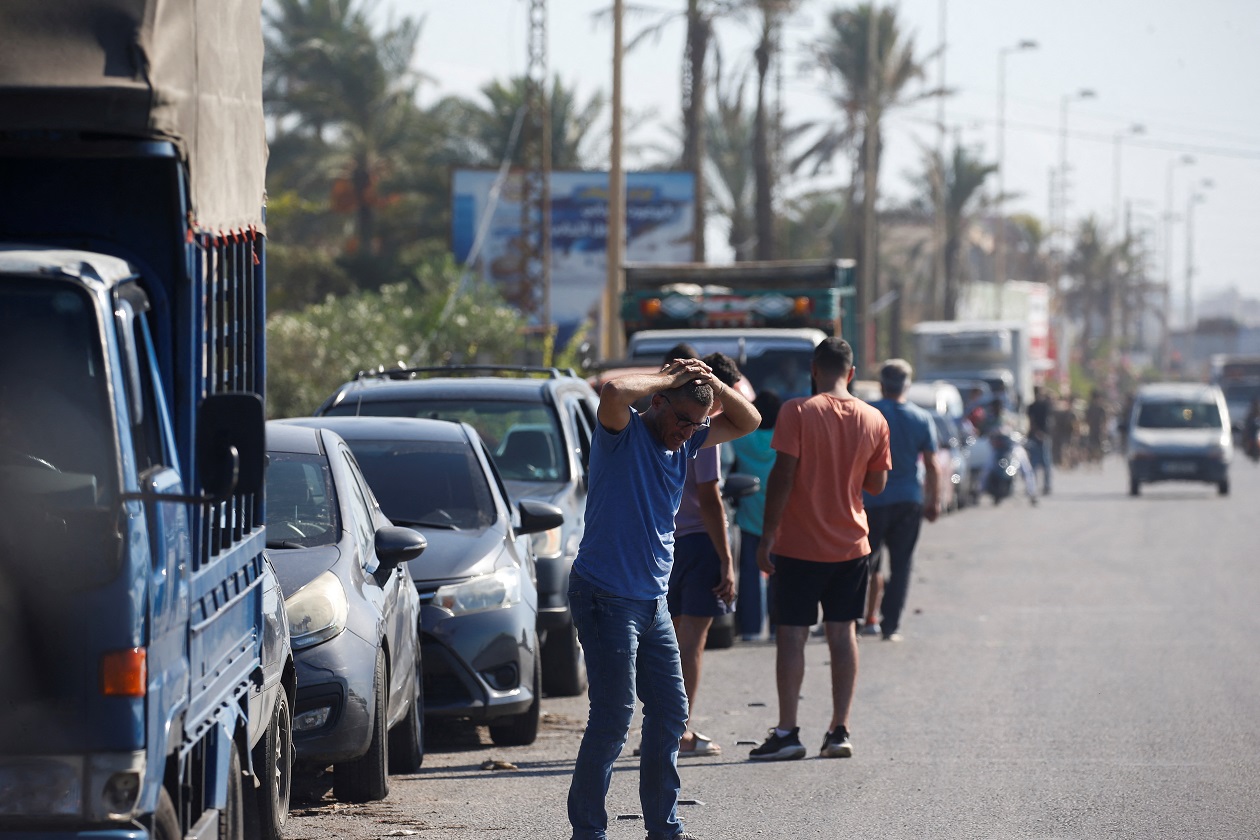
{"x":999,"y":229}
{"x":1195,"y":197}
{"x":1063,"y":238}
{"x":1133,"y":130}
{"x":1169,"y":216}
{"x":1083,"y":93}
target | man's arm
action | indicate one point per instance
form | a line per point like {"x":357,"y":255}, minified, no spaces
{"x":738,"y":416}
{"x":875,"y":481}
{"x":618,"y":394}
{"x":778,"y":485}
{"x":713,"y":513}
{"x":931,"y":486}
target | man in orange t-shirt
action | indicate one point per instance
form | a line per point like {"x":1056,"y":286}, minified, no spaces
{"x":830,"y":447}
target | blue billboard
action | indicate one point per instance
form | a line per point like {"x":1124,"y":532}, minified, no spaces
{"x":660,"y":219}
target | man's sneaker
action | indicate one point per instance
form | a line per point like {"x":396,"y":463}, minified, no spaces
{"x":778,"y":747}
{"x":684,"y":836}
{"x":894,"y":636}
{"x":836,"y":744}
{"x":871,"y":629}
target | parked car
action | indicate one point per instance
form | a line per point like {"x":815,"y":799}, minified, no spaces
{"x":352,"y":611}
{"x":537,"y":425}
{"x":1179,"y":431}
{"x":479,"y":605}
{"x":953,"y":466}
{"x":271,"y":718}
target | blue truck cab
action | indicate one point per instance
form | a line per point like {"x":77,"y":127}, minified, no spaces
{"x":131,"y":418}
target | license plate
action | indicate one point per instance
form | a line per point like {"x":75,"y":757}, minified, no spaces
{"x":1180,"y":467}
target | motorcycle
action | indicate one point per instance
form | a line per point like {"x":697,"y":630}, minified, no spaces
{"x":1004,"y":467}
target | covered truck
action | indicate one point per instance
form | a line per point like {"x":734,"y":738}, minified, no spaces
{"x":997,"y":353}
{"x":132,"y":156}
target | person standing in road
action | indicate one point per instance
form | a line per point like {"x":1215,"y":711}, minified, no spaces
{"x":702,"y":580}
{"x":911,"y":495}
{"x":754,"y":456}
{"x":829,"y":448}
{"x":617,"y":588}
{"x":1040,"y":411}
{"x":1096,"y":426}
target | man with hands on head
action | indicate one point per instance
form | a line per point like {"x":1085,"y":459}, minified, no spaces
{"x":617,"y":589}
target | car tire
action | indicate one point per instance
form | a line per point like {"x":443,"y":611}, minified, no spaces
{"x":1222,"y":487}
{"x":721,"y":633}
{"x":521,"y":730}
{"x":267,"y":808}
{"x":563,"y":663}
{"x":232,"y":817}
{"x":365,"y":779}
{"x":406,"y":740}
{"x":1135,"y":487}
{"x":165,"y":820}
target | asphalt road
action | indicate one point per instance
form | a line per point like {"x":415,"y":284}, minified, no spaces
{"x":1084,"y":669}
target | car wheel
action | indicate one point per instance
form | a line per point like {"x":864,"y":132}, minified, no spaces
{"x":365,"y":779}
{"x":721,"y":633}
{"x":268,"y":804}
{"x":165,"y":820}
{"x":232,"y":817}
{"x":1135,"y":487}
{"x":1222,"y":487}
{"x":563,"y":663}
{"x":521,"y":730}
{"x":406,"y":740}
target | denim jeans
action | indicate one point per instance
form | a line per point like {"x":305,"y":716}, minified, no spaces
{"x":896,"y":526}
{"x":1039,"y":456}
{"x":750,"y":599}
{"x":630,"y":648}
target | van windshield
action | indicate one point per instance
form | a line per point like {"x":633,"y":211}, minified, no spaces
{"x":1179,"y":414}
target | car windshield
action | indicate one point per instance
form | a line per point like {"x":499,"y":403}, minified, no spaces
{"x":524,"y":437}
{"x":59,"y":472}
{"x":301,"y":501}
{"x":780,"y":365}
{"x":1179,"y":414}
{"x":1237,"y":392}
{"x":427,"y":483}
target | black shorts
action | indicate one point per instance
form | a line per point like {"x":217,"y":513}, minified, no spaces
{"x":801,"y":585}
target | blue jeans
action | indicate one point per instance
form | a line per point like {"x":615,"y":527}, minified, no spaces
{"x":750,"y":599}
{"x":1039,"y":456}
{"x":630,"y":649}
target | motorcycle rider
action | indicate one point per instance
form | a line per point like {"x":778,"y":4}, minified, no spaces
{"x":1003,"y":440}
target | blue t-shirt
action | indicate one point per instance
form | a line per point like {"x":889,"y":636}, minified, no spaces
{"x":754,"y":456}
{"x":635,"y":488}
{"x":910,"y":432}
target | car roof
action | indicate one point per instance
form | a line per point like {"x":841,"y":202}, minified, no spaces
{"x":282,"y":437}
{"x":532,"y":389}
{"x":388,"y":428}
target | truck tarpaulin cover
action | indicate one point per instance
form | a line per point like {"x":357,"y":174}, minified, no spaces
{"x":187,"y":71}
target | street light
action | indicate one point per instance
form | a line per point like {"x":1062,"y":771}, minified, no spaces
{"x":1133,"y":130}
{"x":999,"y":232}
{"x":1195,"y":197}
{"x":1064,"y":239}
{"x":1183,"y":160}
{"x":1083,"y":93}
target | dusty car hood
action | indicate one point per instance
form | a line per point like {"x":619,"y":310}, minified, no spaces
{"x":454,"y":555}
{"x":1184,"y":440}
{"x":296,"y":567}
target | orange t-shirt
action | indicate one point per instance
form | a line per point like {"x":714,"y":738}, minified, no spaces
{"x":837,"y":441}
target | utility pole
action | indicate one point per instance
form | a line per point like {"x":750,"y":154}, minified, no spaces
{"x":613,"y":340}
{"x":939,"y":234}
{"x":536,"y":179}
{"x":999,"y":228}
{"x":866,"y":290}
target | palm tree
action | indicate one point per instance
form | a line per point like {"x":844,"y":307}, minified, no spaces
{"x":1091,"y":294}
{"x":728,"y":139}
{"x":957,"y":186}
{"x":866,"y":84}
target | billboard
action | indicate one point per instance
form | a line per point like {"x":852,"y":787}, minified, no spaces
{"x":660,"y":219}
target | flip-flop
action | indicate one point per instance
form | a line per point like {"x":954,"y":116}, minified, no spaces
{"x":703,"y":746}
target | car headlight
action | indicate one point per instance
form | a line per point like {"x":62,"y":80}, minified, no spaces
{"x":317,"y":612}
{"x":500,"y":588}
{"x":547,"y":543}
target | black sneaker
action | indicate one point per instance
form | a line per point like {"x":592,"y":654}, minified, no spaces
{"x":684,"y":836}
{"x":779,"y":748}
{"x":836,"y":744}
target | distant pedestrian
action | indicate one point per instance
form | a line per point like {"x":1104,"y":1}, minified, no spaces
{"x":702,"y":580}
{"x":1096,"y":426}
{"x":911,"y":495}
{"x":617,"y":589}
{"x":830,"y":447}
{"x":1040,"y":412}
{"x":754,"y":456}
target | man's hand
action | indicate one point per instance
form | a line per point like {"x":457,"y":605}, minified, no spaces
{"x":726,"y":586}
{"x":932,"y":510}
{"x":763,"y":556}
{"x":682,"y":371}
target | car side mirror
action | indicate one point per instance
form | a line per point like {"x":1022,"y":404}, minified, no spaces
{"x":537,"y":516}
{"x":739,"y":485}
{"x":231,"y":444}
{"x":396,"y":545}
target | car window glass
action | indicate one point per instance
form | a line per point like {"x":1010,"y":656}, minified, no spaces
{"x":301,"y":503}
{"x":582,"y":428}
{"x":1179,"y":414}
{"x":524,"y":436}
{"x":364,"y":526}
{"x":430,"y":484}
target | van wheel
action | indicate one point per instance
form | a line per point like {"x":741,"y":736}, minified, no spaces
{"x":165,"y":820}
{"x":1222,"y":488}
{"x":1135,"y":487}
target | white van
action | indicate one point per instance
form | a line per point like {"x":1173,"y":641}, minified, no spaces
{"x":1179,"y":431}
{"x":938,"y":396}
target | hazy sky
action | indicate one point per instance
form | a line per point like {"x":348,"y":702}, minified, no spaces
{"x":1188,"y":72}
